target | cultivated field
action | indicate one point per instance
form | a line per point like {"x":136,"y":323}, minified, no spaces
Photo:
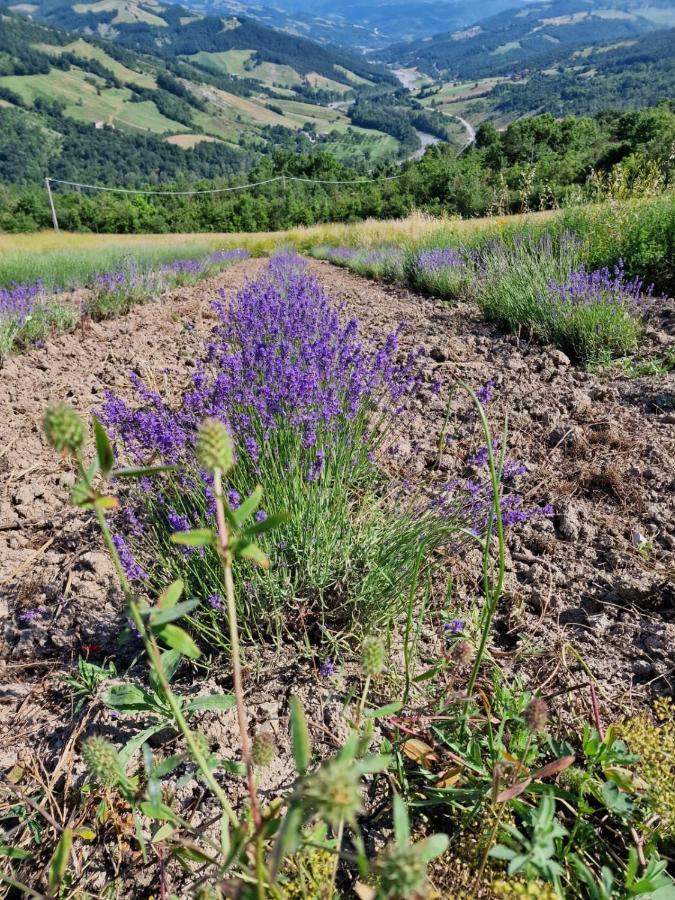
{"x":339,"y":562}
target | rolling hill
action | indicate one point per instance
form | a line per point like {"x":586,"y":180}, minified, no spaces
{"x":532,"y":37}
{"x":197,"y":97}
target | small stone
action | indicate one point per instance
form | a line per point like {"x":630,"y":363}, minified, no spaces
{"x":642,"y":668}
{"x":558,"y":358}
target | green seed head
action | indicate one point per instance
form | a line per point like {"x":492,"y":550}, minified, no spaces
{"x":333,"y":792}
{"x":208,"y":892}
{"x":372,"y":656}
{"x":263,"y":749}
{"x":64,"y":428}
{"x":103,"y":761}
{"x":215,"y":449}
{"x":403,"y":874}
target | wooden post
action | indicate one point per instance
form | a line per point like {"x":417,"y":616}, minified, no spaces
{"x":51,"y":203}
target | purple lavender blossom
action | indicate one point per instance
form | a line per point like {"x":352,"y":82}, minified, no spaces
{"x":280,"y":358}
{"x":455,"y":626}
{"x":261,"y":515}
{"x":485,"y":393}
{"x":215,"y":601}
{"x":327,"y":669}
{"x":29,"y":615}
{"x":433,"y":261}
{"x":131,"y":568}
{"x":18,"y":301}
{"x":601,"y":286}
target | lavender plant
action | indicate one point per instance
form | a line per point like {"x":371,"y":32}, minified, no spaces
{"x":541,"y":286}
{"x":309,"y":404}
{"x":445,"y":272}
{"x":27,"y":316}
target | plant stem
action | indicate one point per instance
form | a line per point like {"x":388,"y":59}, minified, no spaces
{"x":242,"y":718}
{"x":362,"y":701}
{"x":154,"y":655}
{"x":493,"y":590}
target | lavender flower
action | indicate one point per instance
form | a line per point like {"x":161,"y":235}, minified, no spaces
{"x":18,"y":301}
{"x":327,"y":669}
{"x":456,"y":626}
{"x":433,"y":261}
{"x":131,"y":568}
{"x":215,"y":601}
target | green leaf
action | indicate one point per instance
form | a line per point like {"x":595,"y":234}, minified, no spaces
{"x":137,"y":741}
{"x":140,"y":471}
{"x":401,"y":821}
{"x":383,"y":711}
{"x":179,"y":640}
{"x":167,"y":765}
{"x":254,"y":554}
{"x":104,"y":450}
{"x":268,"y":524}
{"x":14,"y":852}
{"x":198,"y":537}
{"x":159,"y":811}
{"x":129,"y":697}
{"x":163,"y":833}
{"x":299,"y":736}
{"x":211,"y":701}
{"x":171,"y":594}
{"x":499,"y":851}
{"x":247,"y":507}
{"x":615,"y":799}
{"x":162,"y":616}
{"x":435,"y":845}
{"x":170,"y":662}
{"x":59,"y":863}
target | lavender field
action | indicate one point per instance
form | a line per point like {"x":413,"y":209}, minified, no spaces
{"x":344,"y":574}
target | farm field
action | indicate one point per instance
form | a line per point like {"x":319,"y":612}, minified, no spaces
{"x":442,"y":627}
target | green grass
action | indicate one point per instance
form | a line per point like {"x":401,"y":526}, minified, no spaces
{"x":70,"y":268}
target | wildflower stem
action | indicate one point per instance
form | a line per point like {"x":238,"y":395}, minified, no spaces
{"x":154,"y":655}
{"x":493,"y":589}
{"x":362,"y":701}
{"x":242,"y":718}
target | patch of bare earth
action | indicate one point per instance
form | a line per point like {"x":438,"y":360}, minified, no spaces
{"x":580,"y":597}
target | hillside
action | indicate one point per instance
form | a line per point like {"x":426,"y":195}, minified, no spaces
{"x":532,"y":37}
{"x":355,"y":23}
{"x":200,"y":103}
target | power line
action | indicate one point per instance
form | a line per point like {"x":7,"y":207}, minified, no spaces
{"x":238,"y":187}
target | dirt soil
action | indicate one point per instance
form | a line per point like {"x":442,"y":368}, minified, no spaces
{"x":590,"y":593}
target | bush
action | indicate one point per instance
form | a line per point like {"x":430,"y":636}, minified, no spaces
{"x":541,"y":287}
{"x":442,"y":271}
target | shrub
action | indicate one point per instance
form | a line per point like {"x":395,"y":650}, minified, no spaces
{"x":28,"y":316}
{"x":442,"y":271}
{"x":308,"y":405}
{"x":543,"y":288}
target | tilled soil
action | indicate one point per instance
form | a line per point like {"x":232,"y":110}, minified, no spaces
{"x":590,"y":593}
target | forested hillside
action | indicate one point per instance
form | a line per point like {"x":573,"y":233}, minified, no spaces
{"x":537,"y":36}
{"x":536,"y":163}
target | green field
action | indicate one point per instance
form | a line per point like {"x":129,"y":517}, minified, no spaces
{"x":85,"y":50}
{"x":87,"y":99}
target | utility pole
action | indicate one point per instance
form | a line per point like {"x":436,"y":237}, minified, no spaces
{"x":51,"y":203}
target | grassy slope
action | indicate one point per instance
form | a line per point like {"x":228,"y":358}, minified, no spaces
{"x":64,"y":257}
